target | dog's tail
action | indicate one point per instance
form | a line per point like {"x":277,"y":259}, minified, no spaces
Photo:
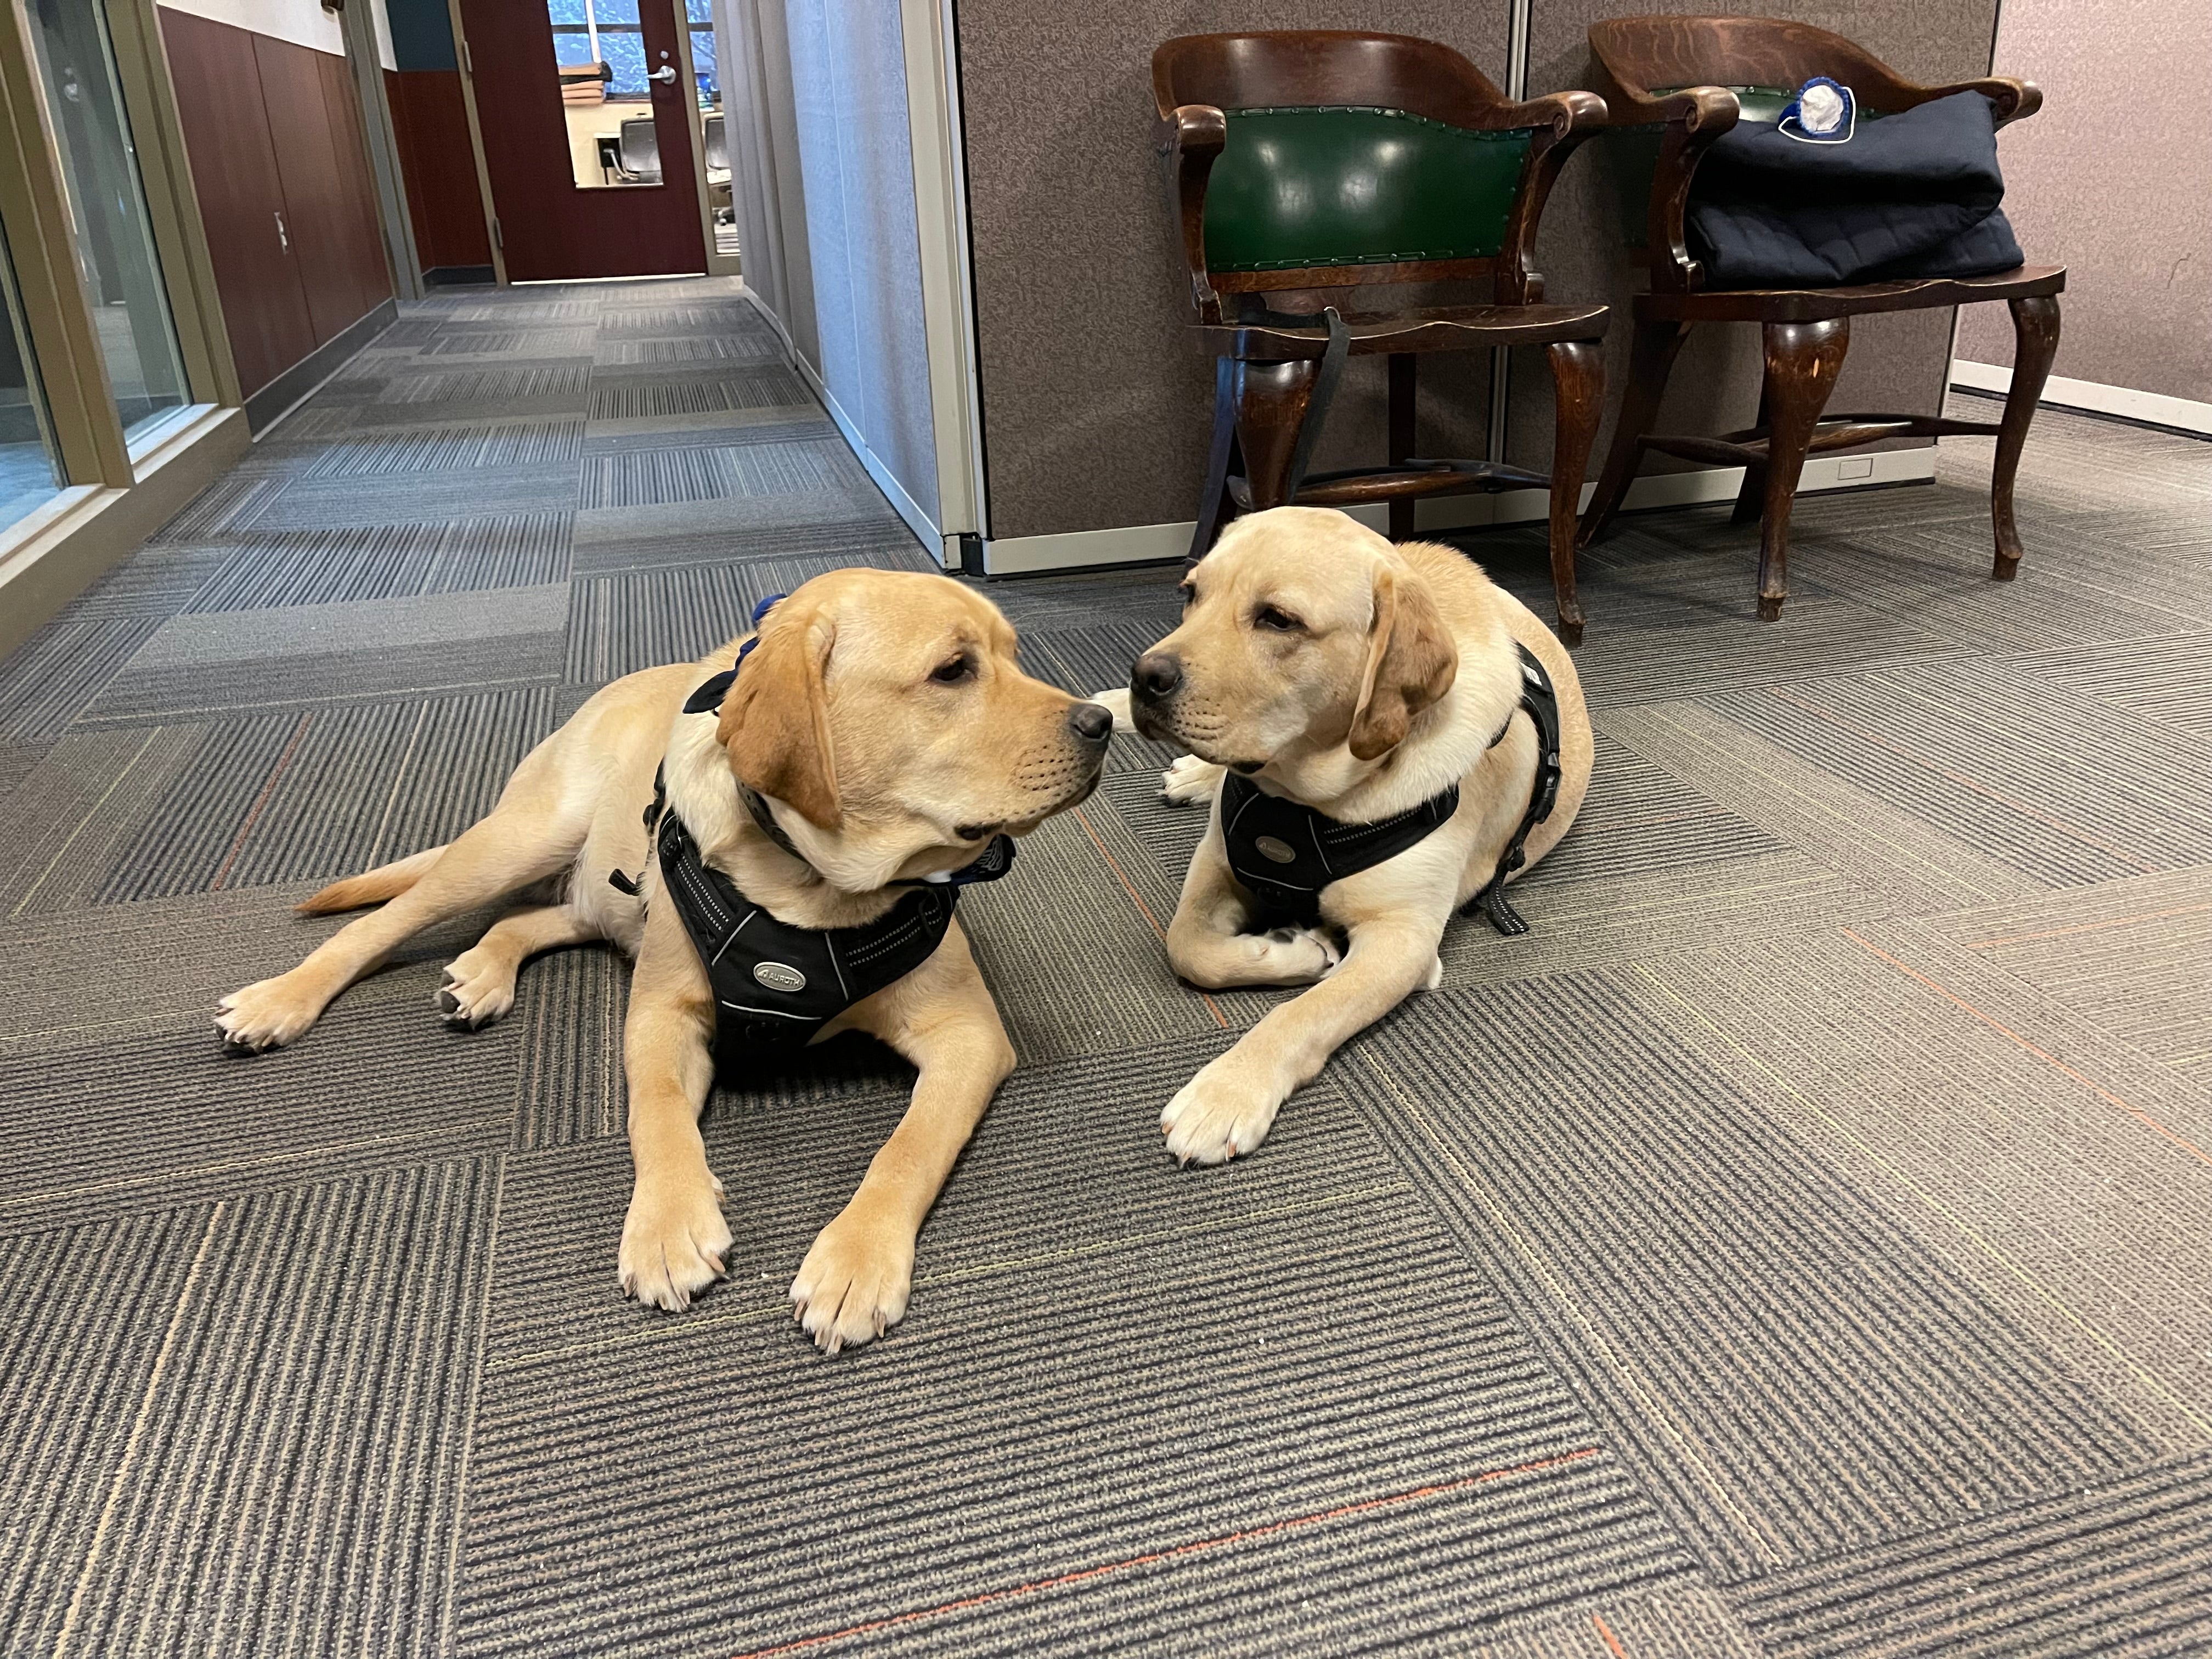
{"x":370,"y":886}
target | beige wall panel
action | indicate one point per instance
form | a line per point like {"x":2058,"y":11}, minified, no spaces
{"x":2114,"y":182}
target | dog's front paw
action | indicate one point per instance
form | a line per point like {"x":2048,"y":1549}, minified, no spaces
{"x":1189,"y":781}
{"x":854,"y":1283}
{"x":1117,"y":703}
{"x":479,"y":987}
{"x":1219,"y":1113}
{"x":268,"y":1014}
{"x":1297,"y":956}
{"x":673,"y":1241}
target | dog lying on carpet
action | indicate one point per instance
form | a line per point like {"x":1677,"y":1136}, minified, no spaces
{"x":1371,"y":723}
{"x":815,"y":805}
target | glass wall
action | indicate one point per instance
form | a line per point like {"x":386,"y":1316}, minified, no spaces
{"x":107,"y":202}
{"x":28,"y":475}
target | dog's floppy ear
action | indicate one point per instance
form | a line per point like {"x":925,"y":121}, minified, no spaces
{"x":775,"y":721}
{"x":1411,"y":661}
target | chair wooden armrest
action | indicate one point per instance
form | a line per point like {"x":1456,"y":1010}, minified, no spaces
{"x":1557,"y":124}
{"x":1189,"y":140}
{"x":1694,"y":118}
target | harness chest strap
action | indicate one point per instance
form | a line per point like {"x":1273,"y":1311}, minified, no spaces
{"x":1287,"y":852}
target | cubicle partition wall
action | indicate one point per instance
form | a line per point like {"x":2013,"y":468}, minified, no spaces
{"x":1094,"y":409}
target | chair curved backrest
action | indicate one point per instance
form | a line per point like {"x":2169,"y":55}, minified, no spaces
{"x":1347,"y":157}
{"x":639,"y":144}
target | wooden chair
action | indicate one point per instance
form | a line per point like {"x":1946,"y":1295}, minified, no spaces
{"x":1309,"y":169}
{"x":1695,"y":78}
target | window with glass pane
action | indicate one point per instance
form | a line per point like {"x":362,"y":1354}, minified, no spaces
{"x":28,"y":475}
{"x":114,"y":243}
{"x":606,"y":99}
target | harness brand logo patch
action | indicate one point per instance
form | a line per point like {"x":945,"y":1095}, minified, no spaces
{"x":777,"y":976}
{"x":1280,"y":851}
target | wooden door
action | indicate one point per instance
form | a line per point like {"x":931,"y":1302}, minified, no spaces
{"x":551,"y":225}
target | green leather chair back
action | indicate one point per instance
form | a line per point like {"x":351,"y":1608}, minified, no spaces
{"x":1328,"y":186}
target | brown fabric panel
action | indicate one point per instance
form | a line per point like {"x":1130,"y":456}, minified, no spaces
{"x":355,"y":214}
{"x":234,"y":176}
{"x":432,"y":127}
{"x":1896,"y":362}
{"x":1095,"y":409}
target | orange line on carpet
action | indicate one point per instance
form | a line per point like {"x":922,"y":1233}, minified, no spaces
{"x":1170,"y":1555}
{"x":2088,"y":926}
{"x":1143,"y":908}
{"x":1997,"y":1025}
{"x":1962,"y":780}
{"x":1611,"y":1640}
{"x":259,"y":801}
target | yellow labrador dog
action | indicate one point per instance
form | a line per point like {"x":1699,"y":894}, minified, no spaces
{"x":814,"y":810}
{"x":1335,"y":690}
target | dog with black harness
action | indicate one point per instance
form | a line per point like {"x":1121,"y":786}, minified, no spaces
{"x":1385,"y":737}
{"x":778,"y":833}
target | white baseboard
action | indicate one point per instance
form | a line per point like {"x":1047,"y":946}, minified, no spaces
{"x":2128,"y":404}
{"x":1152,"y":543}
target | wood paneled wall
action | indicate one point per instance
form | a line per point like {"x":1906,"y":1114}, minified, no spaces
{"x":431,"y":123}
{"x":274,"y":135}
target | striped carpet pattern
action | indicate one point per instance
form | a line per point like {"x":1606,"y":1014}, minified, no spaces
{"x":1799,"y":1244}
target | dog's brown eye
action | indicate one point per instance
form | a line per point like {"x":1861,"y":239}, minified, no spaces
{"x":951,"y":673}
{"x":1282,"y":622}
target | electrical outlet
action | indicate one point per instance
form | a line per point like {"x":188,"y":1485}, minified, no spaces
{"x":1855,"y":466}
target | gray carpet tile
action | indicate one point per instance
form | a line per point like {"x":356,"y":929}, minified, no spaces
{"x":2133,"y":956}
{"x":609,"y":543}
{"x":570,"y":1085}
{"x":2121,"y":1569}
{"x":1792,"y":1374}
{"x":75,"y":1362}
{"x":655,"y":477}
{"x":1312,"y":1419}
{"x":1797,"y":1243}
{"x":312,"y":504}
{"x":179,"y":1120}
{"x":2061,"y":788}
{"x":290,"y":1465}
{"x":49,"y":678}
{"x":2060,"y":1170}
{"x":380,"y":561}
{"x":1077,"y":949}
{"x":311,"y":655}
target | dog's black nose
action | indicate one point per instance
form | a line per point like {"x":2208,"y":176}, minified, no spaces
{"x":1092,"y":723}
{"x":1157,"y":675}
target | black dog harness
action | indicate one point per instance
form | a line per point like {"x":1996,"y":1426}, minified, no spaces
{"x":1287,"y":854}
{"x":776,"y":985}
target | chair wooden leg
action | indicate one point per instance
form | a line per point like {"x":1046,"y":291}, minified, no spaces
{"x":1802,"y":362}
{"x":2035,"y":337}
{"x":1651,"y":361}
{"x":1214,"y":508}
{"x":1402,"y":440}
{"x":1271,"y":401}
{"x":1578,"y":380}
{"x":1751,"y":500}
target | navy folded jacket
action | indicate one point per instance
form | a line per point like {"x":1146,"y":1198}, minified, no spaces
{"x":1913,"y":194}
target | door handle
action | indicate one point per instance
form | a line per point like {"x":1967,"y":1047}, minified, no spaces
{"x":665,"y":74}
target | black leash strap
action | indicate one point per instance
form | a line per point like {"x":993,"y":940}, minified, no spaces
{"x":1541,"y":704}
{"x":1324,"y":393}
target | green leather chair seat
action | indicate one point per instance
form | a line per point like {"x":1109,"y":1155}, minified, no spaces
{"x":1328,"y":186}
